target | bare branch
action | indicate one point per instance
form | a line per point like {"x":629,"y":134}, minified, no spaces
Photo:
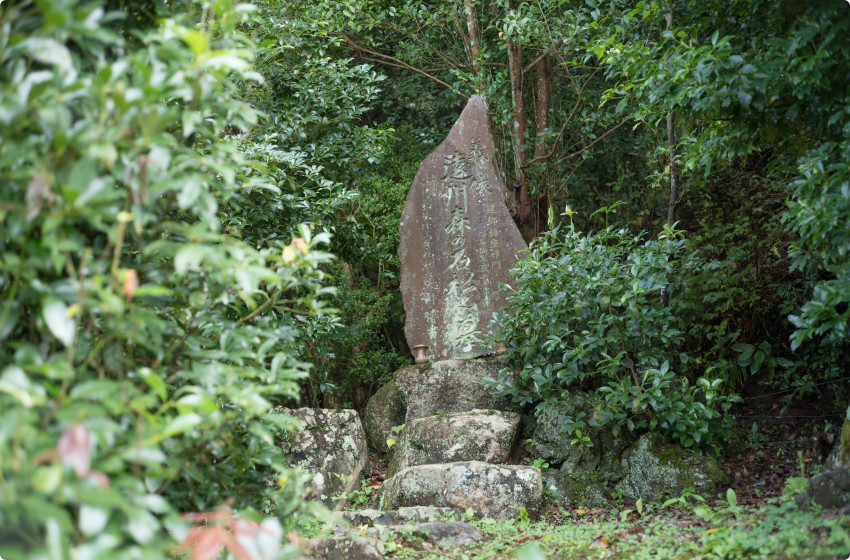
{"x":534,"y":62}
{"x":393,"y":61}
{"x":584,"y":149}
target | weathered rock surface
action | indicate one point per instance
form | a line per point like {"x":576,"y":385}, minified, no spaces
{"x":384,"y":410}
{"x":829,"y":490}
{"x":644,"y":467}
{"x":345,"y":548}
{"x":654,"y":467}
{"x":458,"y":242}
{"x":492,"y":491}
{"x":447,"y":533}
{"x":331,"y":447}
{"x":584,"y":471}
{"x":839,"y":457}
{"x":451,"y":386}
{"x":602,"y":454}
{"x":368,"y":517}
{"x":424,"y":514}
{"x":416,"y":514}
{"x":478,"y":435}
{"x":570,"y":489}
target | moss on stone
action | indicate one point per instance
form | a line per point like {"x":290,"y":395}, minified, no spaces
{"x":667,"y":455}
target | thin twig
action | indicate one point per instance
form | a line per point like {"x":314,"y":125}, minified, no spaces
{"x":266,"y":304}
{"x":386,"y":59}
{"x":534,"y":62}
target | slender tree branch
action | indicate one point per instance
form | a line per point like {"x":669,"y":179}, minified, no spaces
{"x":386,"y":59}
{"x":266,"y":304}
{"x":444,"y":68}
{"x":534,"y":62}
{"x":569,"y":119}
{"x":459,"y":29}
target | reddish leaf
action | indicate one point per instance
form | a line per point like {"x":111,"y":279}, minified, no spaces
{"x":207,"y":542}
{"x":131,"y":282}
{"x":221,"y":514}
{"x":76,"y":447}
{"x":235,"y":547}
{"x":99,"y":478}
{"x":46,"y":457}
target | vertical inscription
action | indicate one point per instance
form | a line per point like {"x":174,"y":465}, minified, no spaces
{"x":462,"y":180}
{"x":457,"y":242}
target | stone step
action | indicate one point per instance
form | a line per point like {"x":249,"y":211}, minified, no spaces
{"x":491,"y":491}
{"x":345,"y":548}
{"x":367,"y":543}
{"x":416,"y":514}
{"x":478,"y":435}
{"x":422,"y":390}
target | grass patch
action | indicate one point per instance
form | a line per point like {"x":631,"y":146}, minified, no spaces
{"x":774,"y":531}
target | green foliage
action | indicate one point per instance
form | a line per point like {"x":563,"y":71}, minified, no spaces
{"x":773,"y":531}
{"x":765,"y":76}
{"x":143,"y":344}
{"x":585,"y":313}
{"x":734,"y":306}
{"x":794,"y":485}
{"x":358,"y":499}
{"x":341,"y":174}
{"x":358,"y":352}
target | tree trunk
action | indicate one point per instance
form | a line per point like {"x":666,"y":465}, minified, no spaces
{"x":674,"y":168}
{"x":518,"y":124}
{"x":525,"y":207}
{"x":541,"y":121}
{"x":474,"y":46}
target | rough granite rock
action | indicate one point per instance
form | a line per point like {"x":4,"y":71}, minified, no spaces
{"x":345,"y":548}
{"x":829,"y":490}
{"x":458,"y":242}
{"x":569,"y":489}
{"x":446,"y":533}
{"x":584,"y":471}
{"x":385,"y":410}
{"x":654,"y":468}
{"x":452,"y":386}
{"x":492,"y":491}
{"x":477,"y":435}
{"x":331,"y":447}
{"x":367,"y":517}
{"x":839,"y":457}
{"x":557,"y":448}
{"x":425,"y":514}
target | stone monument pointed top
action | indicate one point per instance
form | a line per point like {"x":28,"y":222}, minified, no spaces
{"x":458,"y":242}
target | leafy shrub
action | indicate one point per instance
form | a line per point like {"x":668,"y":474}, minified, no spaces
{"x":735,"y":306}
{"x":586,"y":314}
{"x":728,"y":88}
{"x":336,"y":173}
{"x":358,"y":352}
{"x":137,"y":362}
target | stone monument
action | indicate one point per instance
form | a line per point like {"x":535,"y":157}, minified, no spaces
{"x":458,"y":242}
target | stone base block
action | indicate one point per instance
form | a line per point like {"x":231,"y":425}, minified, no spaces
{"x":491,"y":491}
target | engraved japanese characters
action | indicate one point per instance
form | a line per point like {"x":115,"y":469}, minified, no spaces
{"x":458,"y":242}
